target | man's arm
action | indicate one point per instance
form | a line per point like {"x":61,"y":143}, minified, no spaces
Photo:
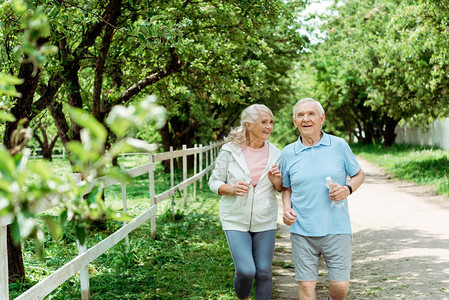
{"x":290,"y":215}
{"x":340,"y":192}
{"x":356,"y":180}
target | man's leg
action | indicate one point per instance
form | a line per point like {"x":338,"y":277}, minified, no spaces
{"x":306,"y":290}
{"x":338,"y":289}
{"x":306,"y":255}
{"x":337,"y":254}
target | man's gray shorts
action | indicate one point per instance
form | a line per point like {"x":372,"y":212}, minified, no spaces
{"x":336,"y":250}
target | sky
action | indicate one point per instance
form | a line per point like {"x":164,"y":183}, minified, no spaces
{"x":316,"y":6}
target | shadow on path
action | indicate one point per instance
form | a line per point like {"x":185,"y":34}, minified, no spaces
{"x":398,"y":264}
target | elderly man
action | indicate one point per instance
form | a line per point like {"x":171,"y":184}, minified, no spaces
{"x":317,"y":227}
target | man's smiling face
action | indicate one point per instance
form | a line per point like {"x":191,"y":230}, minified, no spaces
{"x":307,"y":119}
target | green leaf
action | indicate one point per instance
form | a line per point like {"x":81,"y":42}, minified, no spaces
{"x":7,"y":162}
{"x":41,"y":169}
{"x":63,"y":216}
{"x":117,"y":174}
{"x":53,"y":226}
{"x":77,"y":149}
{"x":4,"y":206}
{"x":4,"y":185}
{"x":15,"y":230}
{"x":94,"y":194}
{"x":86,"y":120}
{"x":119,"y":216}
{"x":4,"y":116}
{"x":81,"y":234}
{"x":83,"y":154}
{"x":120,"y":120}
{"x":26,"y":223}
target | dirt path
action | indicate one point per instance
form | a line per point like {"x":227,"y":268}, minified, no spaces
{"x":400,"y":247}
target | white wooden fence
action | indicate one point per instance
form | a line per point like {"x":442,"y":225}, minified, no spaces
{"x":85,"y":256}
{"x":57,"y":152}
{"x":436,"y":134}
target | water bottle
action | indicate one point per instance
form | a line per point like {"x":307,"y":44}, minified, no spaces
{"x":330,"y":183}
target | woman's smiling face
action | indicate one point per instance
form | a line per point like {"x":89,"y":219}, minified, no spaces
{"x":261,"y":128}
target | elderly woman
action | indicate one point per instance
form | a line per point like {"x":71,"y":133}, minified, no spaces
{"x":246,"y":175}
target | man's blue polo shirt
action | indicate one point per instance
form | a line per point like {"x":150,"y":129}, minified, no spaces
{"x":304,"y":169}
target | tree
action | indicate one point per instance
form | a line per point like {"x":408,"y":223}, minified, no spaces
{"x":211,"y":56}
{"x":44,"y":132}
{"x":381,"y":63}
{"x":220,"y":55}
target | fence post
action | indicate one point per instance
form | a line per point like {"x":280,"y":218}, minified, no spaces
{"x":194,"y":171}
{"x":4,"y":278}
{"x":211,"y":155}
{"x":201,"y":165}
{"x":124,"y":207}
{"x":217,"y":149}
{"x":172,"y":182}
{"x":207,"y":161}
{"x":84,"y":272}
{"x":184,"y":172}
{"x":152,"y":200}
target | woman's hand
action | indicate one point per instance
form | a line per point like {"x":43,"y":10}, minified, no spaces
{"x":241,"y":188}
{"x":275,"y":177}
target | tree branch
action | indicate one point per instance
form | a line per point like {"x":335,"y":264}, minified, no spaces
{"x":174,"y":66}
{"x":112,"y":13}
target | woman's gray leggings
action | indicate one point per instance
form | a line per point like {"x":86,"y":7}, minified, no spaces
{"x":252,"y":253}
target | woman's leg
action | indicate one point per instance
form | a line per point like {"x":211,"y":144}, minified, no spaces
{"x":263,"y":248}
{"x":240,"y":245}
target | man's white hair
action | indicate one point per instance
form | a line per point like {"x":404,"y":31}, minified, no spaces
{"x":318,"y":104}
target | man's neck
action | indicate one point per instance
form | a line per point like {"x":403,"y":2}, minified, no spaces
{"x":311,"y":141}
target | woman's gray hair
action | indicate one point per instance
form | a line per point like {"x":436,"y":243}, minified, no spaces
{"x":318,"y":104}
{"x":250,"y":114}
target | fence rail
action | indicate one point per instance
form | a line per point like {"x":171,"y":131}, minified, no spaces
{"x":80,"y":262}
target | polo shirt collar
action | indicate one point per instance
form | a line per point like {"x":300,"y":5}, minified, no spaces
{"x":324,"y":141}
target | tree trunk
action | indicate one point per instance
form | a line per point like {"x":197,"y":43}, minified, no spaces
{"x":61,"y":123}
{"x":112,"y":13}
{"x":21,"y":110}
{"x":74,"y":97}
{"x":15,"y":262}
{"x":183,"y":134}
{"x":389,"y":132}
{"x":46,"y":144}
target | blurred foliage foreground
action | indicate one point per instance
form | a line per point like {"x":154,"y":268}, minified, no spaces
{"x":189,"y":259}
{"x":25,"y":183}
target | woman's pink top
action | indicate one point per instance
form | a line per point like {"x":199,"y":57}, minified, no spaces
{"x":256,"y":160}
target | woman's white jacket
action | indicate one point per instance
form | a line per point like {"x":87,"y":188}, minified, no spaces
{"x":257,"y":210}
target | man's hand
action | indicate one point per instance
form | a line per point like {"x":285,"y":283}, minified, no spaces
{"x":339,"y":192}
{"x":289,"y":216}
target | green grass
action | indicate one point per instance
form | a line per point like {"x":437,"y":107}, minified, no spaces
{"x":423,"y":165}
{"x":189,"y":259}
